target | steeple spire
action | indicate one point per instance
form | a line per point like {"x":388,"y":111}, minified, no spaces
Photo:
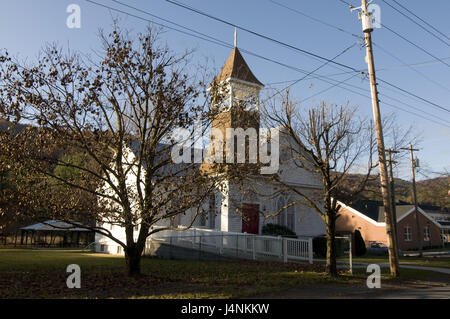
{"x":236,"y":68}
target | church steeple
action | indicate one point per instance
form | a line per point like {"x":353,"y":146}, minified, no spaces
{"x":236,"y":68}
{"x":239,"y":109}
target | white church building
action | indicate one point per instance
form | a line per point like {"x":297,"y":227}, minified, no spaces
{"x":233,"y":209}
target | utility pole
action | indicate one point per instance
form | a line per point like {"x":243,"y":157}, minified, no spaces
{"x":413,"y":165}
{"x":392,"y":188}
{"x":367,"y":25}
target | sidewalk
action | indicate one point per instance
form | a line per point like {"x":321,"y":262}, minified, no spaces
{"x":402,"y":265}
{"x":428,"y":253}
{"x":343,"y":292}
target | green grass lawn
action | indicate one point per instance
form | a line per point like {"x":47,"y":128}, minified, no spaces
{"x":42,"y":274}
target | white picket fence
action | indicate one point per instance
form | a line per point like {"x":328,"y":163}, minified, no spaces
{"x":239,"y":245}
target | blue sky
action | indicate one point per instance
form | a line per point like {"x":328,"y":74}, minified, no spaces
{"x":26,"y":25}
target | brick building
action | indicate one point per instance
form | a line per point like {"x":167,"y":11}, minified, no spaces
{"x":369,"y":220}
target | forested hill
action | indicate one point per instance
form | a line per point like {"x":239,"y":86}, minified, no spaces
{"x":433,"y":191}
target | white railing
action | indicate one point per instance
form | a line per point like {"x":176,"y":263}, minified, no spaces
{"x":240,"y":245}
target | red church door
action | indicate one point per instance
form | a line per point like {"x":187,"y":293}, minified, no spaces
{"x":250,"y":218}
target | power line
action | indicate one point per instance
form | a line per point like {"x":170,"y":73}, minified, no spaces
{"x":414,"y":44}
{"x":260,"y":35}
{"x":313,"y":71}
{"x":411,"y":106}
{"x":151,"y":21}
{"x":421,"y":26}
{"x":360,"y":37}
{"x":208,"y":38}
{"x":402,"y":6}
{"x":293,"y":80}
{"x":410,"y":93}
{"x":316,"y":20}
{"x":202,"y":36}
{"x":396,"y":106}
{"x":412,"y":68}
{"x":329,"y":88}
{"x":229,"y":23}
{"x":405,"y":39}
{"x":346,"y":3}
{"x":335,"y":83}
{"x":166,"y":20}
{"x":221,"y":43}
{"x":343,"y":82}
{"x":301,"y":50}
{"x":400,"y":108}
{"x":328,"y":60}
{"x":412,"y":64}
{"x":218,"y":41}
{"x":391,"y":98}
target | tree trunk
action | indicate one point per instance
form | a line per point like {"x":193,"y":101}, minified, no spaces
{"x":133,"y":261}
{"x":331,"y":268}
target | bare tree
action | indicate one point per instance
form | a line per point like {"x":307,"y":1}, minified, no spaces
{"x":120,"y":114}
{"x":328,"y":141}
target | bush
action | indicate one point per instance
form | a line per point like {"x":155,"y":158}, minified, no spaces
{"x":360,"y":245}
{"x":320,"y":246}
{"x":278,"y":230}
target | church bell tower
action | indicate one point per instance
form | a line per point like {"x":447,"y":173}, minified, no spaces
{"x":238,"y":105}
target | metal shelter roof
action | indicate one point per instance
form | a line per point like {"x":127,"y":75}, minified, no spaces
{"x":55,"y":225}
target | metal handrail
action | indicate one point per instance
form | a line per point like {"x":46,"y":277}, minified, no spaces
{"x":302,"y":251}
{"x":86,"y":248}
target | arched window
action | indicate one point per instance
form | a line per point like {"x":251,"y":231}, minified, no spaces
{"x":287,"y":216}
{"x":281,"y":217}
{"x":212,"y":211}
{"x":290,"y":223}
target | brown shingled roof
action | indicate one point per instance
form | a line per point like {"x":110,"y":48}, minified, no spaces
{"x":236,"y":68}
